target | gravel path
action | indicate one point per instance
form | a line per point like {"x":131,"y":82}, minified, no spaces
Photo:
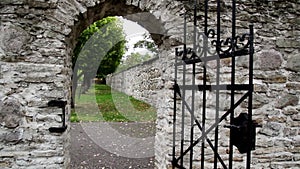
{"x":112,"y":145}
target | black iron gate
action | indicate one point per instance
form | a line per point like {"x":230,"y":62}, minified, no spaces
{"x":196,"y":140}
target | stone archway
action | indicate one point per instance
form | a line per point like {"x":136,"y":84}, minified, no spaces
{"x":36,"y":42}
{"x":35,"y":62}
{"x":159,"y":29}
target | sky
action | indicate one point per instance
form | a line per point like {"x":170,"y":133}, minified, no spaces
{"x":131,"y":28}
{"x":134,"y":32}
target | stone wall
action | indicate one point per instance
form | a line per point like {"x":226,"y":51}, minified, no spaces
{"x":36,"y":42}
{"x":276,"y":78}
{"x":37,"y":38}
{"x":142,"y":81}
{"x":276,"y":97}
{"x":33,"y":60}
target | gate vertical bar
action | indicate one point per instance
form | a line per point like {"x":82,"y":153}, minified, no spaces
{"x":183,"y":92}
{"x":232,"y":79}
{"x":174,"y":110}
{"x":193,"y":83}
{"x":205,"y":45}
{"x":218,"y":46}
{"x":250,"y":125}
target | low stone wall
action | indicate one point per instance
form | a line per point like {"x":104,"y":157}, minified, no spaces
{"x":142,"y":81}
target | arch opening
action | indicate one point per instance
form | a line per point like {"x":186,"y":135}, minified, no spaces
{"x":142,"y":18}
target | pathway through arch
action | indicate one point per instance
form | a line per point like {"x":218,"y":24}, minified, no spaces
{"x":86,"y":154}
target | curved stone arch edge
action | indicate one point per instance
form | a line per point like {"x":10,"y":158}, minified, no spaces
{"x":160,"y":35}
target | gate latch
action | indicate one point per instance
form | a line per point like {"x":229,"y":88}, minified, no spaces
{"x":60,"y":104}
{"x":243,"y":133}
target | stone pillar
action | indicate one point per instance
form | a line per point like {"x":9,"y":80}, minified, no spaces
{"x":32,"y":72}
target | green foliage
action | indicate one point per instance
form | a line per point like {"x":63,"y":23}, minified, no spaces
{"x":74,"y":118}
{"x":136,"y":58}
{"x":113,"y":106}
{"x":147,"y":43}
{"x":102,"y":41}
{"x":132,"y":60}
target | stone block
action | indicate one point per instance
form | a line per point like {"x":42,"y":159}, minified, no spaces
{"x":6,"y":162}
{"x":45,"y":4}
{"x":293,"y":86}
{"x":14,"y":136}
{"x":272,"y":129}
{"x":287,"y":43}
{"x":294,"y":76}
{"x":289,"y":111}
{"x":11,"y":113}
{"x":293,"y":63}
{"x":296,"y":117}
{"x":275,"y":78}
{"x":80,"y":7}
{"x":260,"y":88}
{"x":258,"y":101}
{"x":288,"y":163}
{"x":243,"y":61}
{"x":295,"y":124}
{"x":13,"y":2}
{"x":268,"y":60}
{"x":297,"y":141}
{"x":270,"y":76}
{"x":287,"y":100}
{"x":12,"y":38}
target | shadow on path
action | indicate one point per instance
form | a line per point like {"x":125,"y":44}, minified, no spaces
{"x":89,"y":152}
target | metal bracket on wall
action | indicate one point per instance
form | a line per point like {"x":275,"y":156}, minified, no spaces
{"x":60,"y":104}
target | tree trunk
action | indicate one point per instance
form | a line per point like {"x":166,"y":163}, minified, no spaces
{"x":86,"y":82}
{"x":74,"y":87}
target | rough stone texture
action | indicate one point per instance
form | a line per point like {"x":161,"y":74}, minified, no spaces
{"x":287,"y":100}
{"x":269,"y":60}
{"x":293,"y":63}
{"x":11,"y":113}
{"x":142,"y":81}
{"x":37,"y":38}
{"x":272,"y":129}
{"x":14,"y":38}
{"x":14,"y":136}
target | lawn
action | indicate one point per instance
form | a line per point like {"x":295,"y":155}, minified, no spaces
{"x":101,"y":103}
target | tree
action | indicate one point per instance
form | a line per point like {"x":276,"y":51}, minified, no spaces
{"x":136,"y":58}
{"x":147,"y":43}
{"x":98,"y":52}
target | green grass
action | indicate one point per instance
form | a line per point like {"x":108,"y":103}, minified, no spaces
{"x":103,"y":104}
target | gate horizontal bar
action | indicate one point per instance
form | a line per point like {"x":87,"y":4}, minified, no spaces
{"x":217,"y":87}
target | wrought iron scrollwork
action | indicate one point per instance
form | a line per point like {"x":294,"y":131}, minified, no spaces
{"x":187,"y":54}
{"x":240,"y":44}
{"x":211,"y":33}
